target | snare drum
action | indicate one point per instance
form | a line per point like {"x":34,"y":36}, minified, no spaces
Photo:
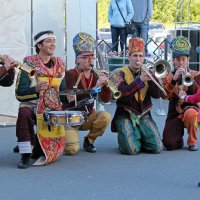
{"x":65,"y":118}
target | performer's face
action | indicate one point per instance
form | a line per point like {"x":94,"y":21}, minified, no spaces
{"x":135,"y":60}
{"x":181,"y":61}
{"x":48,"y":46}
{"x":85,"y":62}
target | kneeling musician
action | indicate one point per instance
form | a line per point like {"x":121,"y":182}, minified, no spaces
{"x":181,"y":114}
{"x":83,"y":77}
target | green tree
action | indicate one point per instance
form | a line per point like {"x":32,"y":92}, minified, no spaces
{"x":164,"y":11}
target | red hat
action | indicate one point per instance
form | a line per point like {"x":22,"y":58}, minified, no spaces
{"x":136,"y":44}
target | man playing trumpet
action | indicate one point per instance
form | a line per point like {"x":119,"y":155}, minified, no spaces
{"x":132,"y":120}
{"x":83,"y":77}
{"x":180,"y":114}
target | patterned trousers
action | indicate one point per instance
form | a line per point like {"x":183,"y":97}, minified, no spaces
{"x":143,"y":136}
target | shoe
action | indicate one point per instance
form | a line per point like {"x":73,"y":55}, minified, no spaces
{"x":16,"y":149}
{"x":24,"y":162}
{"x":88,"y":146}
{"x":193,"y":148}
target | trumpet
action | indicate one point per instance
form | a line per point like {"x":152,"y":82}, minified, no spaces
{"x":146,"y":70}
{"x":112,"y":87}
{"x":187,"y":79}
{"x":20,"y":66}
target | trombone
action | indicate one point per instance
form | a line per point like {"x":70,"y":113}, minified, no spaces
{"x":162,"y":69}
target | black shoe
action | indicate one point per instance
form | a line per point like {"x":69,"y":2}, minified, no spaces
{"x":88,"y":146}
{"x":16,"y":149}
{"x":24,"y":162}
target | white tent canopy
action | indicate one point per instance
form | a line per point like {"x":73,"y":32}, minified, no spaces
{"x":21,"y":20}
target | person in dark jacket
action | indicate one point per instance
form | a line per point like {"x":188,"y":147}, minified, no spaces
{"x":83,"y":77}
{"x":135,"y":127}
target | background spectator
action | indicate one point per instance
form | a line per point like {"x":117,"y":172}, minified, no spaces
{"x":143,"y":11}
{"x":117,"y":23}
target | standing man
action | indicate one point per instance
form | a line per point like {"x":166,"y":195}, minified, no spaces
{"x":181,"y":114}
{"x":83,"y":77}
{"x":133,"y":122}
{"x":35,"y":99}
{"x":143,"y":11}
{"x":7,"y":71}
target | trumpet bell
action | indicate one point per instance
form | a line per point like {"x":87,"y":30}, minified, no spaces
{"x":187,"y":80}
{"x":28,"y":70}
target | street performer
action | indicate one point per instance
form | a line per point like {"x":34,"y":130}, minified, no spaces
{"x":133,"y":122}
{"x":7,"y":71}
{"x":83,"y":77}
{"x":40,"y":97}
{"x":181,"y":114}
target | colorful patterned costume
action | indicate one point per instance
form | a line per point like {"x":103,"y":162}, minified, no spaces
{"x":180,"y":115}
{"x":132,"y":120}
{"x":34,"y":105}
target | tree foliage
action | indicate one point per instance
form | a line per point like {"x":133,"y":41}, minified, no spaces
{"x":165,"y":11}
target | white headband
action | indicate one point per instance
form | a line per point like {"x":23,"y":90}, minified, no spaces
{"x":45,"y":36}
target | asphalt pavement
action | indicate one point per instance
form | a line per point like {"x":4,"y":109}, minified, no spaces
{"x":104,"y":175}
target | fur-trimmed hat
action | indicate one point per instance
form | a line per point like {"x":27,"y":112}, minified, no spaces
{"x":83,"y":44}
{"x":180,"y":46}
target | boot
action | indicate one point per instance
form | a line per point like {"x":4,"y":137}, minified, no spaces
{"x":24,"y":162}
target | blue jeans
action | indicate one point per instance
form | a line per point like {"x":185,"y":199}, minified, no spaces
{"x":141,"y":30}
{"x":116,"y":33}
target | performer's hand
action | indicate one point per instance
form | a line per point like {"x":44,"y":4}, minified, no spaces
{"x":71,"y":98}
{"x":178,"y":73}
{"x":101,"y":81}
{"x":182,"y":94}
{"x":144,"y":77}
{"x":9,"y":62}
{"x":42,"y":85}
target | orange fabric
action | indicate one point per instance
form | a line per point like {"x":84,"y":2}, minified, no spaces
{"x":189,"y":119}
{"x":172,"y":91}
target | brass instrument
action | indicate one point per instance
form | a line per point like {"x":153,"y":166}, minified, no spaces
{"x":162,"y":68}
{"x":146,"y":70}
{"x":20,"y":66}
{"x":187,"y":79}
{"x":112,"y":87}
